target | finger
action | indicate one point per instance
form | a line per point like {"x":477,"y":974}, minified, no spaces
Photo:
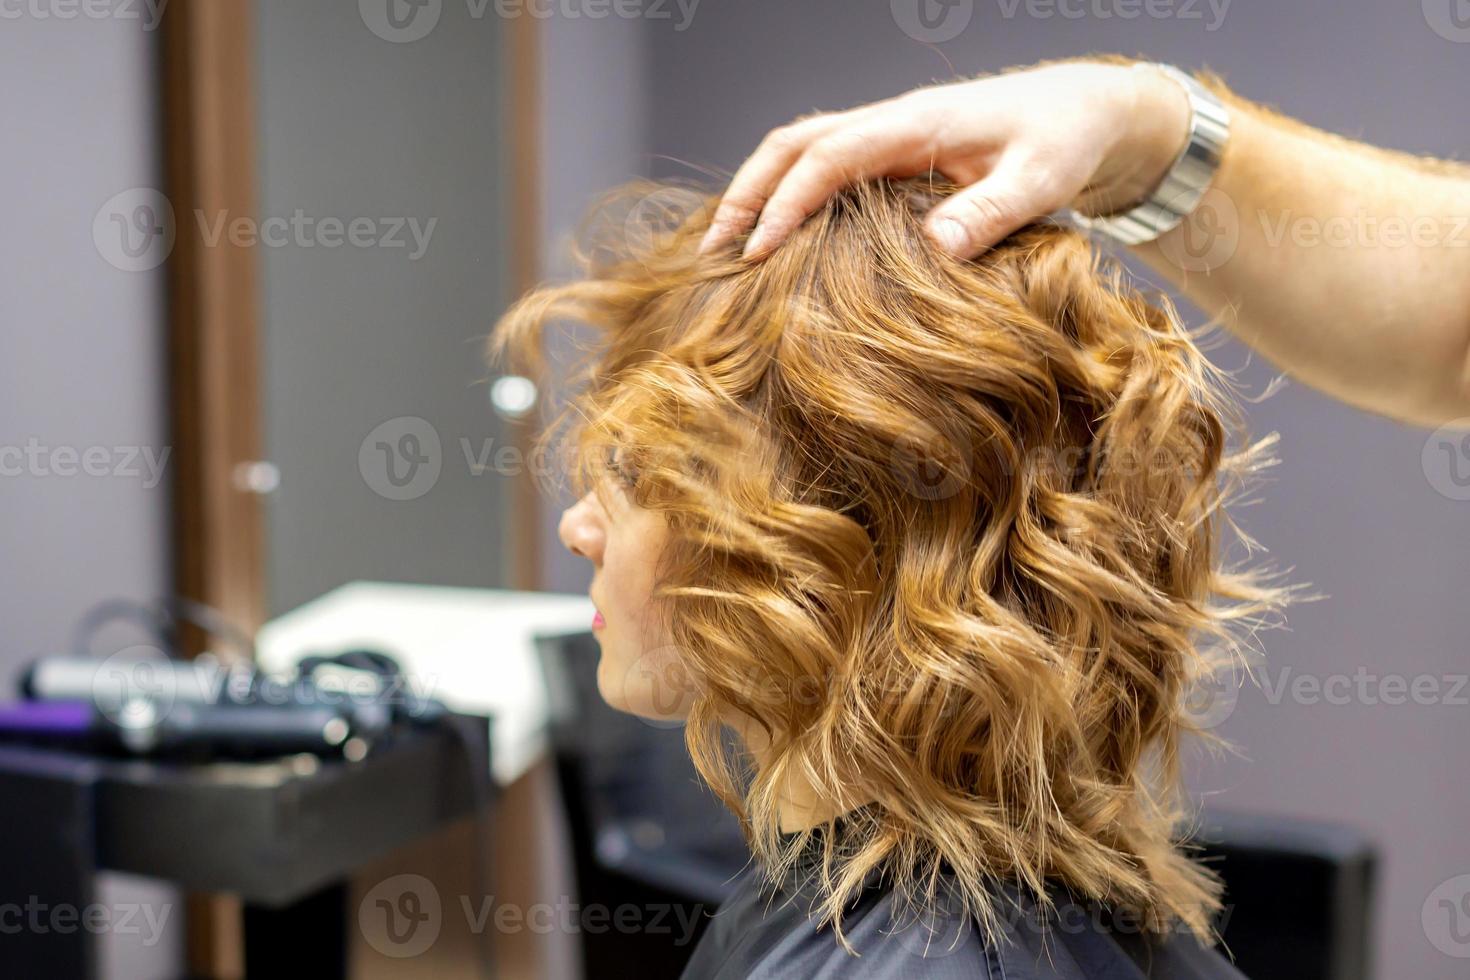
{"x":874,"y":145}
{"x":1010,"y":196}
{"x":752,"y":184}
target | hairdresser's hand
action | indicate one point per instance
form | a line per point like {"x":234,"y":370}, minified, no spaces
{"x":1089,"y":135}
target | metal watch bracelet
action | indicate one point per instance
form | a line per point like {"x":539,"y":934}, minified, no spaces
{"x":1188,"y":178}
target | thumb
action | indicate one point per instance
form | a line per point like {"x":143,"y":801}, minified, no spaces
{"x":971,"y":220}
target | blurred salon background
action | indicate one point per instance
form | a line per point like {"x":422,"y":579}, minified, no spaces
{"x":253,"y":251}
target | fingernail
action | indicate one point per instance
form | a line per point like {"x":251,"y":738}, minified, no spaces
{"x":711,"y":238}
{"x":757,"y":239}
{"x":951,"y":235}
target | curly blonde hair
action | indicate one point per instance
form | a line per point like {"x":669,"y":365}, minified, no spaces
{"x":948,"y":532}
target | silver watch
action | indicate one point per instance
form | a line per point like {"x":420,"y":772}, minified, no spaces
{"x":1188,"y":178}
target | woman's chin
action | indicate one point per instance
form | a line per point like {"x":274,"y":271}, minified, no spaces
{"x":610,"y":686}
{"x":627,"y":687}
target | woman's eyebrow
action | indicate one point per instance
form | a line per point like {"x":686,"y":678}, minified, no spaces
{"x":610,"y":491}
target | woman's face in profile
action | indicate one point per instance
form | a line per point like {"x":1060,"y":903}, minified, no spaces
{"x":639,"y":672}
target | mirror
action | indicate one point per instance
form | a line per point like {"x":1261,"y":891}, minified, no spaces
{"x":383,"y":201}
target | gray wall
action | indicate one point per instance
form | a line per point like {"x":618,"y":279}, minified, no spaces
{"x":1350,"y":507}
{"x":81,"y":368}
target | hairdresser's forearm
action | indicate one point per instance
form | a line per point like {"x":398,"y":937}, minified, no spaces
{"x":1351,"y":270}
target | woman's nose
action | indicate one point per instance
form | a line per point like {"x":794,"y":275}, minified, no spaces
{"x":581,"y":529}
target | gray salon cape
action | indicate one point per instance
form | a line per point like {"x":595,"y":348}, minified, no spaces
{"x":763,"y":933}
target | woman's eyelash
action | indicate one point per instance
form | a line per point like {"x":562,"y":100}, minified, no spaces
{"x":625,"y":474}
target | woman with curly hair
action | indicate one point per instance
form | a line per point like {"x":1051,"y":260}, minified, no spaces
{"x":940,"y":541}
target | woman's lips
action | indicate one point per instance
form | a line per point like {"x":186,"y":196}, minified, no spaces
{"x":597,"y":621}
